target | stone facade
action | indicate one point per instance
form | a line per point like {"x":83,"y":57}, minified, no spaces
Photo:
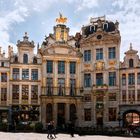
{"x":71,"y":78}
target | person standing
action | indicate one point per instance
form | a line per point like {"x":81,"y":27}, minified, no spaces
{"x":71,"y":129}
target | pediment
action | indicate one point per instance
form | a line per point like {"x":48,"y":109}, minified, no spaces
{"x":100,"y":36}
{"x":56,"y":49}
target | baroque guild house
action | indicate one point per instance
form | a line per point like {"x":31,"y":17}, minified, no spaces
{"x":71,"y":78}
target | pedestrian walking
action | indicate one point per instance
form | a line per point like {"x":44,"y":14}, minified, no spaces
{"x":71,"y":129}
{"x":49,"y":128}
{"x":53,"y":129}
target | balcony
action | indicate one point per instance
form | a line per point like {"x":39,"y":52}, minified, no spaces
{"x":100,"y":87}
{"x":15,"y":101}
{"x":130,"y":102}
{"x":61,"y":91}
{"x":3,"y":103}
{"x":34,"y":101}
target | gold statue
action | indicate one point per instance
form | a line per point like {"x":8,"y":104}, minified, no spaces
{"x":61,"y":19}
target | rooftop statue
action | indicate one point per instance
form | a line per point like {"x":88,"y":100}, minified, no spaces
{"x":61,"y":19}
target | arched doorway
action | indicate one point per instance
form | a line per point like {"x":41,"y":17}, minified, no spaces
{"x":61,"y":115}
{"x":49,"y":113}
{"x":72,"y":113}
{"x":131,"y":117}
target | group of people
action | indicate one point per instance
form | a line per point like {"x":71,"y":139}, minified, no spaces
{"x":51,"y":130}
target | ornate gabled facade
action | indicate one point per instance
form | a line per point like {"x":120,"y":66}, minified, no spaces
{"x":4,"y":87}
{"x":61,"y":97}
{"x":130,"y":87}
{"x":71,"y":78}
{"x":100,"y":46}
{"x":25,"y":82}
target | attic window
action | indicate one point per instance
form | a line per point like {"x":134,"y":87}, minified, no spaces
{"x":131,"y":63}
{"x":35,"y":60}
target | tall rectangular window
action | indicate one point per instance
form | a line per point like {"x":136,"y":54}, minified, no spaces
{"x":87,"y":80}
{"x":112,"y":96}
{"x":138,"y":78}
{"x":15,"y":92}
{"x":131,"y":95}
{"x":61,"y":86}
{"x":99,"y":79}
{"x":34,"y":92}
{"x":112,"y":114}
{"x":99,"y":54}
{"x":72,"y":67}
{"x":49,"y":90}
{"x":25,"y":74}
{"x":3,"y":94}
{"x":123,"y":79}
{"x":61,"y":67}
{"x":49,"y":66}
{"x":112,"y":78}
{"x":72,"y":87}
{"x":87,"y":114}
{"x":15,"y":73}
{"x":87,"y":55}
{"x":112,"y":53}
{"x":138,"y":95}
{"x":3,"y":77}
{"x":25,"y":92}
{"x":34,"y":74}
{"x":124,"y":95}
{"x":131,"y":79}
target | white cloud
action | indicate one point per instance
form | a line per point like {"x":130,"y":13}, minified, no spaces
{"x":128,"y":16}
{"x":87,"y":4}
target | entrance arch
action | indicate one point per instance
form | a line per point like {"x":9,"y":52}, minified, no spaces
{"x":131,"y":117}
{"x":49,"y":113}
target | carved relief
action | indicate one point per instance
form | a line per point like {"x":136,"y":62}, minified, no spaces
{"x":99,"y":65}
{"x":112,"y":63}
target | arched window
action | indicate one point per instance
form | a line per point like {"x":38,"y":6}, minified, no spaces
{"x":131,"y":63}
{"x":25,"y":58}
{"x":35,"y":60}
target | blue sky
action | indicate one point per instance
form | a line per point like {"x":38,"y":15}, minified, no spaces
{"x":37,"y":17}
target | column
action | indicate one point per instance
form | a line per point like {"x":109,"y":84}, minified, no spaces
{"x":78,"y":77}
{"x":8,"y":95}
{"x":55,"y":80}
{"x":44,"y":76}
{"x":127,"y":87}
{"x":43,"y":114}
{"x":20,"y":94}
{"x":30,"y":70}
{"x":55,"y":113}
{"x":67,"y":84}
{"x":67,"y":112}
{"x":80,"y":115}
{"x":20,"y":73}
{"x":29,"y":97}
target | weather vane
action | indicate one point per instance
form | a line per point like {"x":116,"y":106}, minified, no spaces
{"x":61,"y":19}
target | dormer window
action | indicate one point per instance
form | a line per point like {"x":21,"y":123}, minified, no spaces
{"x":35,"y":60}
{"x":131,"y":63}
{"x":16,"y":59}
{"x":25,"y":58}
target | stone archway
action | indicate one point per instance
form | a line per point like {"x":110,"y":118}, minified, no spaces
{"x":49,"y":113}
{"x":131,"y":117}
